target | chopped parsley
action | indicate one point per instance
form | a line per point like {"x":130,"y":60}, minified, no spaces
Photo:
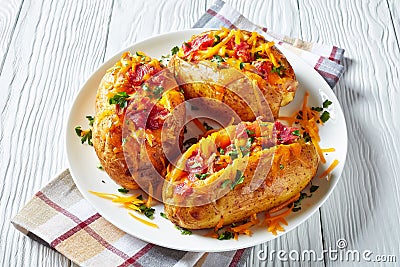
{"x":326,"y":103}
{"x":246,"y":149}
{"x":313,"y":188}
{"x":183,"y":230}
{"x":174,"y":50}
{"x":278,"y":70}
{"x":281,"y":166}
{"x":148,"y":212}
{"x":233,"y":154}
{"x":249,"y":132}
{"x":241,"y":65}
{"x":202,"y":176}
{"x":91,"y":120}
{"x":221,"y":151}
{"x":239,"y":178}
{"x":100,"y":167}
{"x":217,"y":39}
{"x":225,"y":235}
{"x":208,"y":127}
{"x":86,"y":136}
{"x":120,"y":98}
{"x":306,"y":137}
{"x":143,"y":57}
{"x":296,"y":133}
{"x":218,"y":59}
{"x":162,"y":214}
{"x":123,"y":190}
{"x":325,"y":116}
{"x":319,"y":109}
{"x":257,"y":55}
{"x":158,"y":90}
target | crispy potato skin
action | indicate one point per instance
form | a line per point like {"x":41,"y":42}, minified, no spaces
{"x":241,"y":202}
{"x":214,"y":85}
{"x":107,"y":138}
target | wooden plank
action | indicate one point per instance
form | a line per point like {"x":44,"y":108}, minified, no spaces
{"x":55,"y":46}
{"x":9,"y":14}
{"x":364,"y":207}
{"x":136,"y":20}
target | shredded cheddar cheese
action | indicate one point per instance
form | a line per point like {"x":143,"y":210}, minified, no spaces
{"x":330,"y":168}
{"x":143,"y":220}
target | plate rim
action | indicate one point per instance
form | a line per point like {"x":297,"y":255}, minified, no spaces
{"x":101,"y":69}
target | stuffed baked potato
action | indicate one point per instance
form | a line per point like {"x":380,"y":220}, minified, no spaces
{"x":212,"y":64}
{"x":134,"y":99}
{"x":226,"y":174}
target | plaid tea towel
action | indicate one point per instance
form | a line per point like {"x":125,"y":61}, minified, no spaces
{"x":58,"y":216}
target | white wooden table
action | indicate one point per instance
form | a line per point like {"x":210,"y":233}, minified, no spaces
{"x":48,"y":48}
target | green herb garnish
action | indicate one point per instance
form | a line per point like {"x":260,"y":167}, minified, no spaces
{"x":208,"y":127}
{"x":296,"y":133}
{"x":162,"y":214}
{"x":100,"y":167}
{"x":202,"y":176}
{"x":221,"y":151}
{"x":278,"y":70}
{"x":239,"y":178}
{"x":174,"y":50}
{"x":91,"y":120}
{"x":241,"y":65}
{"x":120,"y":98}
{"x":86,"y":136}
{"x":217,"y":39}
{"x":123,"y":190}
{"x":233,"y":154}
{"x":148,"y":212}
{"x":313,"y":188}
{"x":325,"y":116}
{"x":326,"y":103}
{"x":217,"y":59}
{"x":225,"y":183}
{"x":281,"y":167}
{"x":226,"y":235}
{"x":319,"y":109}
{"x":183,"y":230}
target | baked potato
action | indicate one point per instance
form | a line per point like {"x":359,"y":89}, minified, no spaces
{"x":238,"y":68}
{"x":134,"y":99}
{"x":236,"y":172}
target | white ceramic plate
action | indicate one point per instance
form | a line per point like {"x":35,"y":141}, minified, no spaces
{"x":83,"y":161}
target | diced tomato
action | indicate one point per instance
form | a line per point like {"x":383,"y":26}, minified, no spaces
{"x":284,"y":134}
{"x":264,"y":68}
{"x":198,"y":43}
{"x":242,"y":52}
{"x":156,"y":118}
{"x":136,"y":77}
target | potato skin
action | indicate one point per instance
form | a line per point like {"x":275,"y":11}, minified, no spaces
{"x":107,"y":133}
{"x":215,"y":83}
{"x":241,"y":202}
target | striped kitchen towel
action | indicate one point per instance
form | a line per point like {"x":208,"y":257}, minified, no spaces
{"x":58,"y":215}
{"x":326,"y":59}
